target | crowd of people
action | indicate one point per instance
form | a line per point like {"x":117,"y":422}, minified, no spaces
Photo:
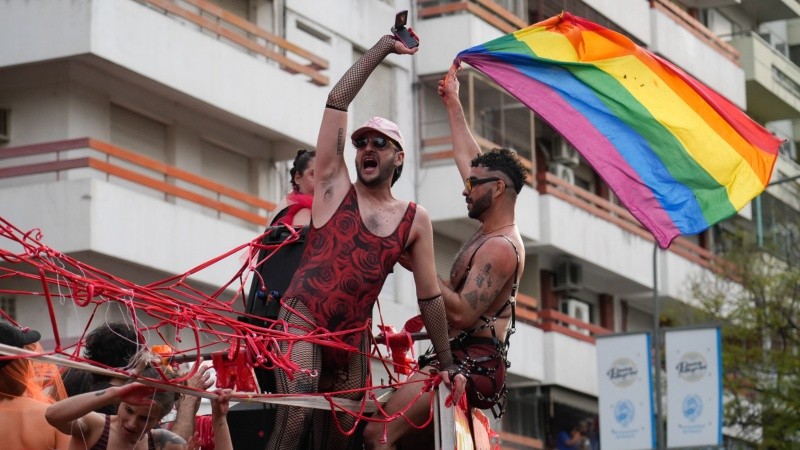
{"x":358,"y":231}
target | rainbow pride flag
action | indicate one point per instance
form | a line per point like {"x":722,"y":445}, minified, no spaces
{"x":678,"y":155}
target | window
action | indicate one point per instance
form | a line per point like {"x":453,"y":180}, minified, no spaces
{"x":239,"y":7}
{"x":377,"y":97}
{"x":525,"y":411}
{"x":502,"y":119}
{"x":5,"y":134}
{"x":137,"y":132}
{"x":9,"y":307}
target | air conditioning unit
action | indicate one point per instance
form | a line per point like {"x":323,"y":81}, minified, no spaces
{"x":578,"y":310}
{"x":563,"y":153}
{"x":563,"y":172}
{"x":569,"y":276}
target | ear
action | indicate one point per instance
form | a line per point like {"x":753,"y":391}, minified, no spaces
{"x":399,"y":157}
{"x":499,"y":188}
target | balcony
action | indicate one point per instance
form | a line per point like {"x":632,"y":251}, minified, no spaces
{"x":189,"y":52}
{"x":689,"y":44}
{"x":107,"y":202}
{"x":456,"y":25}
{"x":761,"y":10}
{"x":773,"y":80}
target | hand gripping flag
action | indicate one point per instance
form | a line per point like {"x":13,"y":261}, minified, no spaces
{"x":678,"y":155}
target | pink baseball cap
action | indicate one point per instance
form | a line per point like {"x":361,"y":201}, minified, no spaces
{"x":383,"y":126}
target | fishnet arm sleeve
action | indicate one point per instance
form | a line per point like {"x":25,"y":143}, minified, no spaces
{"x":353,"y":80}
{"x":435,"y":318}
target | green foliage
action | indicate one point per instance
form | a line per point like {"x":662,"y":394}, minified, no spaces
{"x":757,"y":301}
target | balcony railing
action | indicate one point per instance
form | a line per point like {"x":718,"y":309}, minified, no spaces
{"x":511,"y":441}
{"x":697,"y":28}
{"x":444,"y":152}
{"x":487,"y":10}
{"x":527,"y":309}
{"x":118,"y":163}
{"x":549,"y":184}
{"x":244,"y":34}
{"x":552,"y":320}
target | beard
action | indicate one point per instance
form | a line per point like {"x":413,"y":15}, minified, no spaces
{"x":385,"y":172}
{"x":480,"y":205}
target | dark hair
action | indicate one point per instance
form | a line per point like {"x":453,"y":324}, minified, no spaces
{"x":300,"y":164}
{"x":399,"y":170}
{"x":112,"y":344}
{"x":77,"y":381}
{"x":506,"y":161}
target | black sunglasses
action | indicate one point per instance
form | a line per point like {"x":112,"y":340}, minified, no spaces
{"x":378,"y":142}
{"x":471,"y":182}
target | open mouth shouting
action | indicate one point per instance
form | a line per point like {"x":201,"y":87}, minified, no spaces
{"x":369,"y":164}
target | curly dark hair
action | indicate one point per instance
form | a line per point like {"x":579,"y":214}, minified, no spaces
{"x":112,"y":344}
{"x":506,"y":161}
{"x":301,"y":163}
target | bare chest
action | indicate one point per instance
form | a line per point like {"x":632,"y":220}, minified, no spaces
{"x":381,"y":219}
{"x":462,"y":260}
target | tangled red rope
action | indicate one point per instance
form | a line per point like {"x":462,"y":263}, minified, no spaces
{"x":176,"y":306}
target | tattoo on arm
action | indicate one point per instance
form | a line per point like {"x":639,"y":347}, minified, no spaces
{"x":472,"y":299}
{"x":340,"y":142}
{"x":482,"y":294}
{"x":99,"y":393}
{"x":484,"y":276}
{"x":163,"y":437}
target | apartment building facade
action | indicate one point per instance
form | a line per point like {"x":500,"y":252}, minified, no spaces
{"x":147,"y":136}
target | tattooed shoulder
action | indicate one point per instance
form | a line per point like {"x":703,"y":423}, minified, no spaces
{"x":162,"y":438}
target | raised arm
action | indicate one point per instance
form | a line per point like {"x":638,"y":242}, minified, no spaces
{"x":75,"y":415}
{"x":219,"y":419}
{"x":189,"y":404}
{"x":331,"y":179}
{"x":465,"y":147}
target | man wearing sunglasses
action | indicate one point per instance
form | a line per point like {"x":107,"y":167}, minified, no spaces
{"x":358,"y":232}
{"x":479,"y":296}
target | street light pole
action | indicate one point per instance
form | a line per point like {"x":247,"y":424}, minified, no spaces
{"x":759,"y":222}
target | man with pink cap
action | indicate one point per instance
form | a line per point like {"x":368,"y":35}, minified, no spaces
{"x":358,"y":232}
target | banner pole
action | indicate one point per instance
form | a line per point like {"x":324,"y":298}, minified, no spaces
{"x":657,"y":352}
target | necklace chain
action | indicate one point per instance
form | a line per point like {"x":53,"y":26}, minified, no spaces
{"x":498,"y":228}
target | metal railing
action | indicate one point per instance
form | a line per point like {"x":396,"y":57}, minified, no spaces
{"x":552,"y":320}
{"x":58,"y":157}
{"x":487,"y":10}
{"x":246,"y":35}
{"x":697,"y":28}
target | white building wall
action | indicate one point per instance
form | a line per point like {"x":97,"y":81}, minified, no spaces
{"x":628,"y":14}
{"x":570,"y":362}
{"x":679,"y":45}
{"x":95,"y":216}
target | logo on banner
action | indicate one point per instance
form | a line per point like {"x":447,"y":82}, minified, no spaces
{"x":692,"y":407}
{"x":624,"y":412}
{"x":623,"y":373}
{"x":692,"y":367}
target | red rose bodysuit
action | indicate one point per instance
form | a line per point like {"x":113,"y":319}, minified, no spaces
{"x":343,"y":269}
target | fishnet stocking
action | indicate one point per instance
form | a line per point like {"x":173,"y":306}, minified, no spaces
{"x":290,"y":421}
{"x":355,"y":375}
{"x":353,"y":80}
